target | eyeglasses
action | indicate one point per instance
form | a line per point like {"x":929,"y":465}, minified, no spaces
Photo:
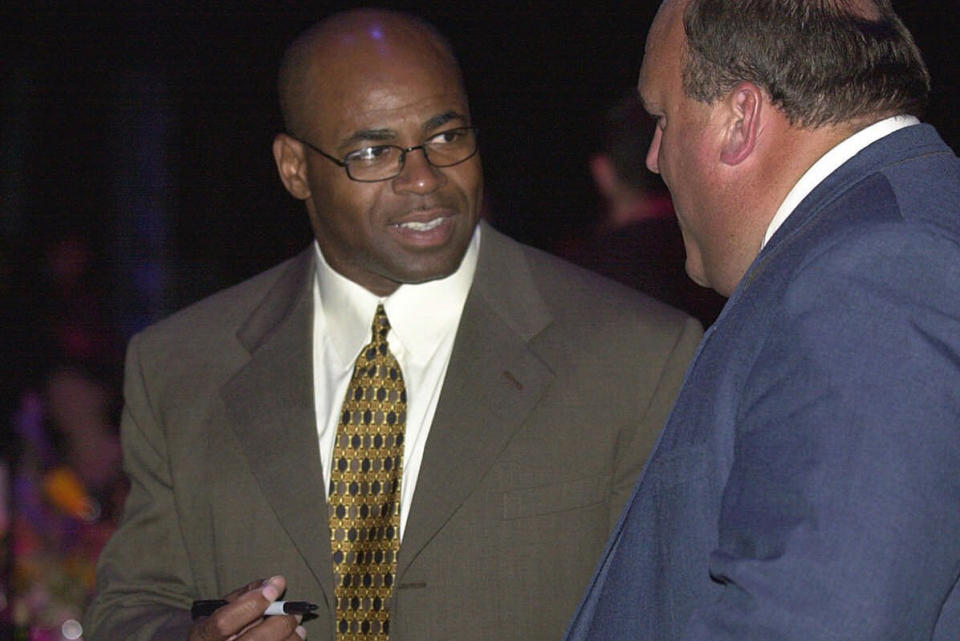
{"x":383,"y":162}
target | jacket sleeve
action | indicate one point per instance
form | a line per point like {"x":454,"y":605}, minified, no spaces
{"x":652,"y":415}
{"x":143,"y":575}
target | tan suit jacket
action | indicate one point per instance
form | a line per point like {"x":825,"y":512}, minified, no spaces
{"x":558,"y":385}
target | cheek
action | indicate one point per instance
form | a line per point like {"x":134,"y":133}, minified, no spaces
{"x":690,"y":172}
{"x":686,"y":173}
{"x":669,"y":158}
{"x":674,"y":158}
{"x":347,"y":205}
{"x":469,"y":181}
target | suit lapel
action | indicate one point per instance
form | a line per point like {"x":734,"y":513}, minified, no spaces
{"x":271,"y":407}
{"x":493,"y":382}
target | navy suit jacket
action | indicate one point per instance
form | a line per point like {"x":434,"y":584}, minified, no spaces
{"x":807,"y":483}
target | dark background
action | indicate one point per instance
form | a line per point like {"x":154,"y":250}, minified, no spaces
{"x":145,"y":129}
{"x":136,"y":174}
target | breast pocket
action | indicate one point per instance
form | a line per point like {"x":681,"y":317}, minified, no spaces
{"x":555,"y":497}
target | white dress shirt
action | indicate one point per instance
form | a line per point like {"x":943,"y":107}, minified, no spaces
{"x":423,"y":326}
{"x":830,"y":162}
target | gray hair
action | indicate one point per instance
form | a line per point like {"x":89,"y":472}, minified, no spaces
{"x":823,"y":62}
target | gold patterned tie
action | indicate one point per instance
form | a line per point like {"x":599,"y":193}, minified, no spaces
{"x":365,"y":490}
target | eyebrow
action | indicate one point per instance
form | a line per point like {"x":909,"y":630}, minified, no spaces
{"x":362,"y":135}
{"x":386,"y":135}
{"x":441,"y":119}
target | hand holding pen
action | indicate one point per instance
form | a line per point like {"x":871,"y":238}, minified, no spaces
{"x":249,"y":612}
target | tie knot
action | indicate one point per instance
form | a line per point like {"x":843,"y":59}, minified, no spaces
{"x":381,"y":325}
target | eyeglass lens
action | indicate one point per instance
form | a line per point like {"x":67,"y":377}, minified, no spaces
{"x":381,"y":162}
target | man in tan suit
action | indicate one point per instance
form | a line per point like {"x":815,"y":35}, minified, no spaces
{"x":534,"y":390}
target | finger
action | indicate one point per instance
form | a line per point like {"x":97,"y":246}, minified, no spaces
{"x":257,"y":623}
{"x":243,"y":612}
{"x":250,"y":586}
{"x":297,"y":632}
{"x":274,"y":628}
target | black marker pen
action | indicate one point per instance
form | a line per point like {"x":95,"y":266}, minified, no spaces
{"x":207,"y":607}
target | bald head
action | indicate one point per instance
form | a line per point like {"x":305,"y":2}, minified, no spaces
{"x":363,"y":87}
{"x":362,"y":43}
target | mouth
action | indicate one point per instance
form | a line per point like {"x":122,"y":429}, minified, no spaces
{"x":426,"y":228}
{"x":422,"y":226}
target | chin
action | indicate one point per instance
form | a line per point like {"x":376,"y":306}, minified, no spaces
{"x":413,"y":276}
{"x":695,"y":271}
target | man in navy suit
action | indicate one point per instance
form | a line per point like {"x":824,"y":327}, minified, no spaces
{"x":807,"y":483}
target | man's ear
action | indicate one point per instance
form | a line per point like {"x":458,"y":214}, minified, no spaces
{"x":291,"y":165}
{"x":744,"y":106}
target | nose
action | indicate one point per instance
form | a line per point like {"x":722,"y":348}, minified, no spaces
{"x":653,"y":154}
{"x":418,"y":175}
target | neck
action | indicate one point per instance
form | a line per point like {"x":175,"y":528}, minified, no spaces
{"x":782,"y":155}
{"x":790,"y":153}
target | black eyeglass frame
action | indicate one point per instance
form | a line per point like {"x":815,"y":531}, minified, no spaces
{"x":403,"y":154}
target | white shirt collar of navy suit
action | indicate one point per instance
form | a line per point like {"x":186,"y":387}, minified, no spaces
{"x":830,"y":162}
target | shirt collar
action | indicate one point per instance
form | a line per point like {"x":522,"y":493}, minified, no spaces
{"x":421,"y":315}
{"x":830,"y":162}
